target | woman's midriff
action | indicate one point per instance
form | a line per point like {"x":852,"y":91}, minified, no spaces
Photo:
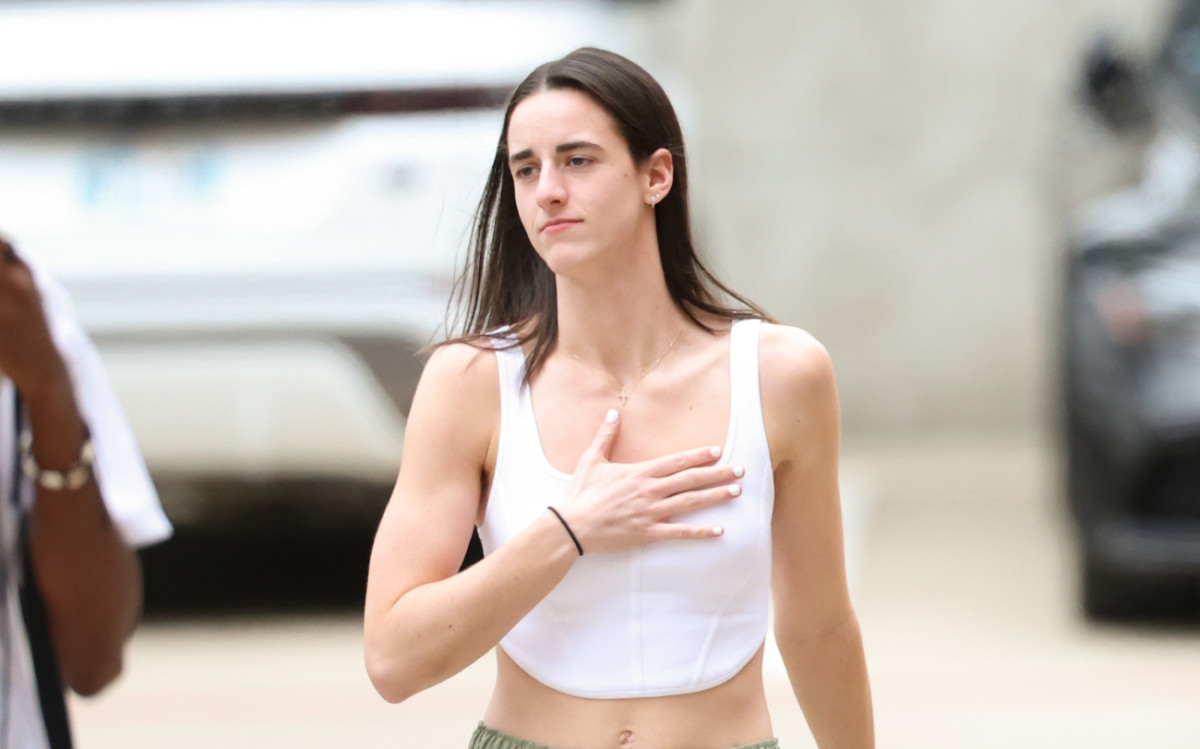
{"x":728,"y":715}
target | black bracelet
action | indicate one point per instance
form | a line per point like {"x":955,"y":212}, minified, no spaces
{"x":570,"y":532}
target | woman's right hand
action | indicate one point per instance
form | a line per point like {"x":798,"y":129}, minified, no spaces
{"x":617,"y":506}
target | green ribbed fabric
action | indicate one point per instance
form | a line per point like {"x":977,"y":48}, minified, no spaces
{"x":490,"y":738}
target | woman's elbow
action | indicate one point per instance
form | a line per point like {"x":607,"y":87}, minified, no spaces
{"x":390,"y":689}
{"x":392,"y":680}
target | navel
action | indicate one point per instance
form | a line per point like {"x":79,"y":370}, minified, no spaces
{"x":625,"y":739}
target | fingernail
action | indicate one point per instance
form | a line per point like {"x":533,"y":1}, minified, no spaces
{"x":735,"y":490}
{"x":718,"y":530}
{"x":739,"y":471}
{"x":611,"y":416}
{"x":715,"y":452}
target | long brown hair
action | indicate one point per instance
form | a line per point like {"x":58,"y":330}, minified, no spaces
{"x":505,"y":281}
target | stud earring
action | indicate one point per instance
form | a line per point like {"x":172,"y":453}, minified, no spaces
{"x":654,"y":199}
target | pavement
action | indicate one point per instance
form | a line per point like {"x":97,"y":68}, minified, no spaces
{"x":962,"y":572}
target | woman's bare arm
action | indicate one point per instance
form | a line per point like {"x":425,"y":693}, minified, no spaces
{"x":424,"y":622}
{"x":815,"y":625}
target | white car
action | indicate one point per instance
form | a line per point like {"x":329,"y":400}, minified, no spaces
{"x":258,"y":207}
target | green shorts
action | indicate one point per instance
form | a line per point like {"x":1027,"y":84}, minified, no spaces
{"x":490,"y":738}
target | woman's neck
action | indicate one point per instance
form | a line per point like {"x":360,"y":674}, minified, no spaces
{"x":620,"y":327}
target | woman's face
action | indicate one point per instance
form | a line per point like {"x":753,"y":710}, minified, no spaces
{"x":580,"y":196}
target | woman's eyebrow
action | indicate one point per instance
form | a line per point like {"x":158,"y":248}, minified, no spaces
{"x":574,"y":145}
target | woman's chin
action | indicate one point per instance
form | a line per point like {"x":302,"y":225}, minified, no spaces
{"x":565,"y":258}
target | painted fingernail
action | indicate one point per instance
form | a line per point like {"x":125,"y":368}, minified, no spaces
{"x":735,"y":490}
{"x":739,"y":471}
{"x":718,"y":530}
{"x":611,"y":416}
{"x":715,"y":452}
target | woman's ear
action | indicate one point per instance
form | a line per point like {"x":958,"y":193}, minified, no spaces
{"x":660,"y":175}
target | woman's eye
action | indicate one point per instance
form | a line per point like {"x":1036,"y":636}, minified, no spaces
{"x":579,"y":161}
{"x":522,"y":172}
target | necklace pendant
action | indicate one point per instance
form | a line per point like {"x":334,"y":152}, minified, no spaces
{"x":624,"y":396}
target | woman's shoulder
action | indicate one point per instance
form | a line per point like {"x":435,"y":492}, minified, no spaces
{"x":457,"y":403}
{"x":792,"y":357}
{"x":798,"y":391}
{"x":460,"y":378}
{"x":462,"y":363}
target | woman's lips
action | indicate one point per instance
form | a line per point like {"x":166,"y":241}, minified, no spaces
{"x":559,"y":225}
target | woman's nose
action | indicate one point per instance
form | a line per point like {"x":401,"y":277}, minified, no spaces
{"x":550,"y":188}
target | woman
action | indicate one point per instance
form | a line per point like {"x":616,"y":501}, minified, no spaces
{"x":627,"y":566}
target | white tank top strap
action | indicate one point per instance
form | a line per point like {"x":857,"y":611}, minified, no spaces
{"x":744,"y":381}
{"x":511,"y":362}
{"x":516,"y":417}
{"x":518,"y":424}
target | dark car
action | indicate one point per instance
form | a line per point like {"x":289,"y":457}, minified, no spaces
{"x":1130,"y":340}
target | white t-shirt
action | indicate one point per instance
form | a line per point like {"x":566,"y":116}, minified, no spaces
{"x":124,"y":482}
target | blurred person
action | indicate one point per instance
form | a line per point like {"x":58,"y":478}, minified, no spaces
{"x":627,"y":597}
{"x":76,"y":498}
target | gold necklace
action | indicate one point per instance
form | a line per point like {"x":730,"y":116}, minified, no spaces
{"x":623,"y":395}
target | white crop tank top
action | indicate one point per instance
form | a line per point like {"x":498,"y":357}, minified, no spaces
{"x":673,"y":617}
